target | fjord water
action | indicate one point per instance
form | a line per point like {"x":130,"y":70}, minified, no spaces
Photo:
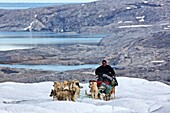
{"x":52,"y":67}
{"x":23,"y":40}
{"x":26,"y":5}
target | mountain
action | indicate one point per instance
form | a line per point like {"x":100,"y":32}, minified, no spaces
{"x":96,"y":17}
{"x":132,"y":96}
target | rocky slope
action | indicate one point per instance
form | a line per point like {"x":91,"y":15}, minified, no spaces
{"x":139,"y":36}
{"x":96,"y":17}
{"x":32,"y":76}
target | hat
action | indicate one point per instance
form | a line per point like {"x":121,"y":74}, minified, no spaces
{"x":104,"y":61}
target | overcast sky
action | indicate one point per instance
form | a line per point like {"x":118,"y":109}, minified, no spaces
{"x":47,"y":1}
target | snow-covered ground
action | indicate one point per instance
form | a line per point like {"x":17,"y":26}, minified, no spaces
{"x":132,"y":96}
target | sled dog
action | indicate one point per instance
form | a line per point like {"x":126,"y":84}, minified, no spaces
{"x":94,"y":90}
{"x":74,"y":89}
{"x":66,"y":90}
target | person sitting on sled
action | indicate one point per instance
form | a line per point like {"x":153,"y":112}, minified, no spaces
{"x":106,"y":75}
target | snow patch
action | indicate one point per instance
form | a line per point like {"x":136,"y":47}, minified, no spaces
{"x":29,"y":27}
{"x":141,"y":18}
{"x":145,"y":1}
{"x":128,"y":21}
{"x":100,"y":16}
{"x":120,"y":22}
{"x":166,"y":28}
{"x":128,"y":7}
{"x":158,"y":61}
{"x":134,"y":26}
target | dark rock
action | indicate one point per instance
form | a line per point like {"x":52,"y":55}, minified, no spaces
{"x":158,"y":40}
{"x":8,"y":71}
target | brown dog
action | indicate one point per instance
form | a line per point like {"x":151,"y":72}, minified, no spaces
{"x":94,"y":90}
{"x":74,"y":88}
{"x":78,"y":87}
{"x":65,"y":85}
{"x":66,"y":90}
{"x":58,"y":90}
{"x":54,"y":91}
{"x":57,"y":86}
{"x":112,"y":93}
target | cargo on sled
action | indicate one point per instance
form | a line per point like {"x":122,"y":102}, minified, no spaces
{"x":103,"y":88}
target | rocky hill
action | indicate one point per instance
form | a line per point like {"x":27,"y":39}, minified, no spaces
{"x":96,"y":17}
{"x":139,"y":37}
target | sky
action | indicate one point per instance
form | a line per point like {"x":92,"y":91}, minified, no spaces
{"x":46,"y":1}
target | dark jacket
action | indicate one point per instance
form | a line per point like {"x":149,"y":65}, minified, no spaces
{"x":106,"y":74}
{"x":105,"y":70}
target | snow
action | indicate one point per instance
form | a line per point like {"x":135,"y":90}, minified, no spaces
{"x":128,"y":7}
{"x":145,"y":2}
{"x":134,"y":26}
{"x":120,"y":22}
{"x":166,"y":28}
{"x":62,"y":30}
{"x":29,"y":27}
{"x":158,"y":61}
{"x":133,"y":95}
{"x":128,"y":21}
{"x":13,"y":47}
{"x":100,"y":16}
{"x":141,"y":18}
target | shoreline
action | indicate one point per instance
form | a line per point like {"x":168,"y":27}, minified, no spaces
{"x":83,"y":75}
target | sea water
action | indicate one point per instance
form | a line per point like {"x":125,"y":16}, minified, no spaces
{"x":26,"y":5}
{"x":25,"y":40}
